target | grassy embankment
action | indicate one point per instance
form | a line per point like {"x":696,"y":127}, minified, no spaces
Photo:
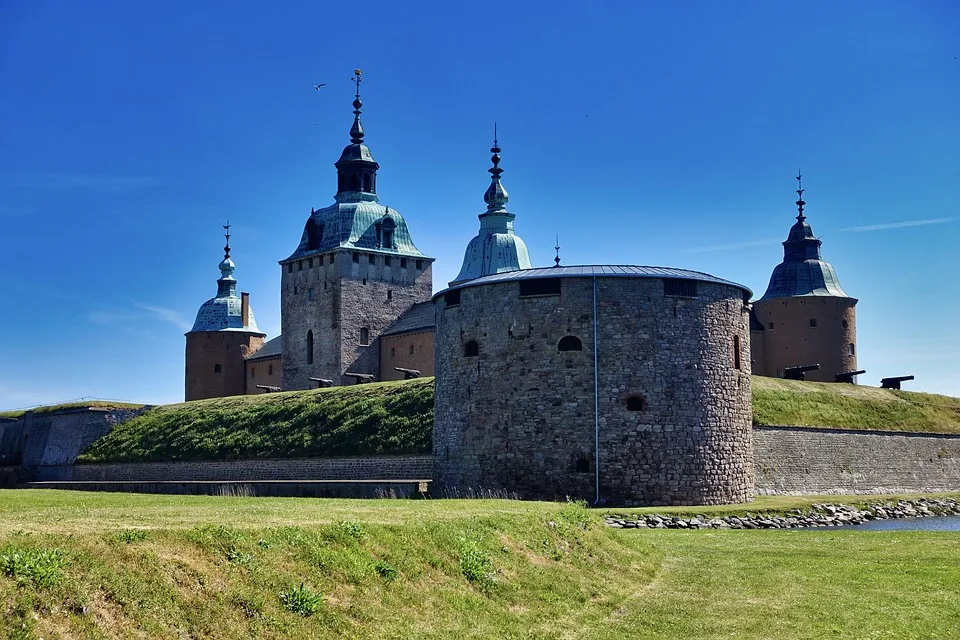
{"x":86,"y":565}
{"x":99,"y":404}
{"x":396,"y":417}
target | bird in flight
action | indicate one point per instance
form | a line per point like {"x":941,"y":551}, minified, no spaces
{"x":317,"y":86}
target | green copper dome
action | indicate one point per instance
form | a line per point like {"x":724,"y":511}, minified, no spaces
{"x":495,"y":248}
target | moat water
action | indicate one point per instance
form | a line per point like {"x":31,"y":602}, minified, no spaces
{"x":936,"y":523}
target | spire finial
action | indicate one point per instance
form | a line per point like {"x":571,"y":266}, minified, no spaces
{"x":356,"y":131}
{"x":800,"y":202}
{"x":557,"y":259}
{"x":226,"y":234}
{"x":496,"y":196}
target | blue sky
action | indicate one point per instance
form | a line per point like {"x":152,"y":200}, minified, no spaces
{"x":641,"y":133}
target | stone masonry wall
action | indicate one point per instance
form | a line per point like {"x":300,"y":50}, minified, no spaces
{"x":792,"y":341}
{"x":520,"y":416}
{"x":798,"y":460}
{"x":59,"y":437}
{"x":408,"y":467}
{"x":334,"y":296}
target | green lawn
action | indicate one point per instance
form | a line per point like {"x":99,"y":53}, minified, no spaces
{"x":86,"y":565}
{"x":821,"y":404}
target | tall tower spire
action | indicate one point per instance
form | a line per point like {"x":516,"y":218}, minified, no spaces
{"x":356,"y":168}
{"x":800,"y":202}
{"x":356,"y":131}
{"x":496,"y":248}
{"x":496,"y":196}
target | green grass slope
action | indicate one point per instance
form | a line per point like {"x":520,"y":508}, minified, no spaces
{"x":82,"y":565}
{"x":397,"y":417}
{"x":381,"y":418}
{"x":820,"y":404}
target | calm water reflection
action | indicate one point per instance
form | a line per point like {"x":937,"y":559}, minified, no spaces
{"x":938,"y":523}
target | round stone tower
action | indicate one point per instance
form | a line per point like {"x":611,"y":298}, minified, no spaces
{"x":613,"y":383}
{"x":609,"y":383}
{"x":804,"y":317}
{"x":224,"y":333}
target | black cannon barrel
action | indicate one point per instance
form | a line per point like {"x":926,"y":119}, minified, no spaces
{"x":322,"y":383}
{"x":893,"y":382}
{"x":408,"y":374}
{"x":796,"y":373}
{"x":847,"y":376}
{"x":360,"y":378}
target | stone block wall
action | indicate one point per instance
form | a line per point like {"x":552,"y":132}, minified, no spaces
{"x":793,"y":341}
{"x":408,"y":467}
{"x":674,"y":410}
{"x":799,"y":460}
{"x":57,"y":438}
{"x":334,"y":295}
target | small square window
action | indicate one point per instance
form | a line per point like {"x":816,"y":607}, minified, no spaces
{"x":389,"y":294}
{"x":419,"y":265}
{"x":393,"y":352}
{"x":299,"y":265}
{"x":770,"y":326}
{"x":411,"y":349}
{"x":289,"y":267}
{"x":403,"y":263}
{"x":270,"y":370}
{"x":310,"y":293}
{"x":356,"y":257}
{"x":373,"y":259}
{"x":309,"y":263}
{"x":813,"y":323}
{"x":253,"y":372}
{"x":324,"y":285}
{"x":387,"y":261}
{"x":364,"y":336}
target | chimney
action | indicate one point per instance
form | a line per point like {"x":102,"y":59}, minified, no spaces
{"x":245,"y":309}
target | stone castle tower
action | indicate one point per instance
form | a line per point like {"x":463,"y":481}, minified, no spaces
{"x":355,"y":271}
{"x":805,"y":317}
{"x":224,"y":333}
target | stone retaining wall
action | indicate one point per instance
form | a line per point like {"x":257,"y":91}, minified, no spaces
{"x":800,"y":460}
{"x":409,"y":467}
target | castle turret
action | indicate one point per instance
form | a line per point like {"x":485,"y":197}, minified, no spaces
{"x":355,"y":271}
{"x":804,"y":317}
{"x":495,"y":248}
{"x":224,"y":333}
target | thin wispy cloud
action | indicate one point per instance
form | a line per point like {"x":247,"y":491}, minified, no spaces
{"x":64,"y":181}
{"x":735,"y":245}
{"x":167,"y":315}
{"x":147,"y":313}
{"x":900,"y":225}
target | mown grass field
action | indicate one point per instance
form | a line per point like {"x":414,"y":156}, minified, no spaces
{"x":85,"y":565}
{"x":397,"y":417}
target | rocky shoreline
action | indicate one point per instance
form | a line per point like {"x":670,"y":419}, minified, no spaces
{"x":819,"y":515}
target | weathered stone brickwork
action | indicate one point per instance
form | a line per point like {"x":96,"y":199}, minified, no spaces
{"x":798,"y":460}
{"x":674,"y":410}
{"x":806,"y":330}
{"x":404,"y":467}
{"x":334,"y":296}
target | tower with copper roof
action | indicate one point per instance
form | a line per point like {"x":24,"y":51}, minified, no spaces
{"x":353,"y":273}
{"x":495,"y":248}
{"x":224,"y":333}
{"x":804,"y":317}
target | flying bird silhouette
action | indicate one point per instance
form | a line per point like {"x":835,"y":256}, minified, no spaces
{"x":317,"y":86}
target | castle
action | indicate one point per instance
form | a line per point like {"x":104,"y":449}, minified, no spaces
{"x":622,"y":383}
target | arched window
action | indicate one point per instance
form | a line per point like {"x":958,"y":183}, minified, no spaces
{"x":217,"y":368}
{"x":310,"y":347}
{"x":569,"y":343}
{"x":636,"y":403}
{"x":736,"y":352}
{"x":471,"y":349}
